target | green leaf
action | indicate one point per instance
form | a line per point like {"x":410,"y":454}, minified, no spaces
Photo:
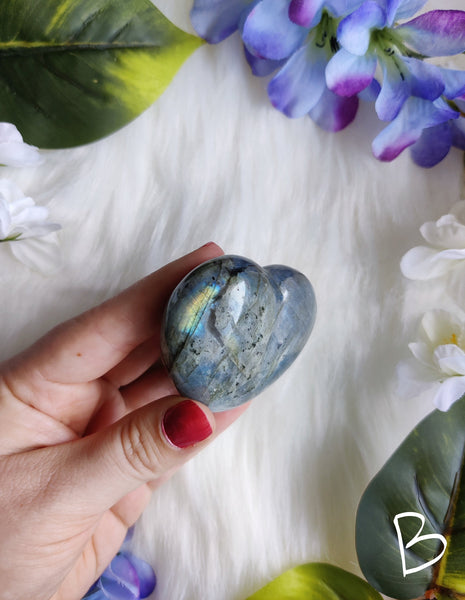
{"x":73,"y":71}
{"x":424,"y":476}
{"x":317,"y":581}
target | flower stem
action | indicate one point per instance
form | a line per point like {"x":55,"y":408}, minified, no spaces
{"x":12,"y":238}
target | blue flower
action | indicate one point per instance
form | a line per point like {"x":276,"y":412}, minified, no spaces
{"x":435,"y":142}
{"x":126,"y":578}
{"x":308,"y":12}
{"x":325,"y":56}
{"x":368,"y":36}
{"x":296,"y":37}
{"x":215,"y":20}
{"x":417,"y":118}
{"x":299,"y":87}
{"x":436,"y":33}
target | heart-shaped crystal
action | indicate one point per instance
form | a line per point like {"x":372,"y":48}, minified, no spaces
{"x":231,"y":328}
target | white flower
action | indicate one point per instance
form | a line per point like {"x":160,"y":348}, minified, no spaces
{"x":22,"y":222}
{"x":13,"y":151}
{"x":438,"y":361}
{"x":446,"y":249}
{"x":19,"y":215}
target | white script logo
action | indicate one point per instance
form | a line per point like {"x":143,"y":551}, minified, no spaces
{"x":415,"y":540}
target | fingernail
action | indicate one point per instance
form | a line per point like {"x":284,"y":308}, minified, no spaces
{"x":185,"y":424}
{"x":207,"y":245}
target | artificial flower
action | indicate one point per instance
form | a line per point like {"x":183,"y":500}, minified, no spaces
{"x":273,"y":41}
{"x":267,"y":31}
{"x":445,"y":249}
{"x":309,"y":12}
{"x":22,"y":223}
{"x":435,"y":33}
{"x":215,"y":20}
{"x":435,"y":142}
{"x":369,"y":36}
{"x":438,"y":361}
{"x":127,"y":577}
{"x":13,"y":151}
{"x":19,"y":215}
{"x":325,"y":56}
{"x":416,"y":116}
{"x":299,"y":87}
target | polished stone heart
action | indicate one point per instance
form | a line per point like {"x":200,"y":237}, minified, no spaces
{"x":231,"y":328}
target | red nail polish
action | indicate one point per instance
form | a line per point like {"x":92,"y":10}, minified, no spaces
{"x":207,"y":245}
{"x":185,"y":424}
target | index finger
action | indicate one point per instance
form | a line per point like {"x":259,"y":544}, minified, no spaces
{"x":86,"y":347}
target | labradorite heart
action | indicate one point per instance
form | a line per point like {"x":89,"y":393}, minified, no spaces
{"x":231,"y":328}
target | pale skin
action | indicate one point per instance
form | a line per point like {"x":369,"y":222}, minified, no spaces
{"x":82,"y":447}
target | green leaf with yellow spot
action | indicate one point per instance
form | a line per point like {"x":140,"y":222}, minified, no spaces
{"x":73,"y":71}
{"x":410,"y":529}
{"x":317,"y":581}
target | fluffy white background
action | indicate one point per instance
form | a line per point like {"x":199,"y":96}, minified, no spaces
{"x":211,"y":160}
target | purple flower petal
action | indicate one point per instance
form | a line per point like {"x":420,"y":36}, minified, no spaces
{"x":305,"y":12}
{"x":341,"y":8}
{"x":145,"y":574}
{"x":268,"y":32}
{"x":261,"y":67}
{"x":454,"y":82}
{"x":115,"y":590}
{"x":426,"y":80}
{"x":402,"y":9}
{"x":120,"y":581}
{"x":436,"y":33}
{"x":404,"y":77}
{"x":416,"y":114}
{"x":394,"y":91}
{"x":354,"y":31}
{"x":392,"y":6}
{"x":121,"y":568}
{"x":245,"y":14}
{"x":432,"y":146}
{"x":390,"y":143}
{"x":348,"y":74}
{"x":334,"y":112}
{"x":300,"y":83}
{"x":457,"y":128}
{"x":370,"y":93}
{"x":215,"y":20}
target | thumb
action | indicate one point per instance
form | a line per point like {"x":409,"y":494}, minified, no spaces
{"x":141,"y":447}
{"x":58,"y":494}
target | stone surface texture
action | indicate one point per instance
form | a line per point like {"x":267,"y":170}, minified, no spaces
{"x":231,"y":328}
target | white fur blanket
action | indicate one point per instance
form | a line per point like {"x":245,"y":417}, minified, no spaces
{"x":212,"y":160}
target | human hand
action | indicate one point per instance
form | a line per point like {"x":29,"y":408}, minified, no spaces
{"x":88,"y":429}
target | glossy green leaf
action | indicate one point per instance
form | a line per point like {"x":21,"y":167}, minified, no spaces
{"x":317,"y":581}
{"x":425,"y":476}
{"x":72,"y":71}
